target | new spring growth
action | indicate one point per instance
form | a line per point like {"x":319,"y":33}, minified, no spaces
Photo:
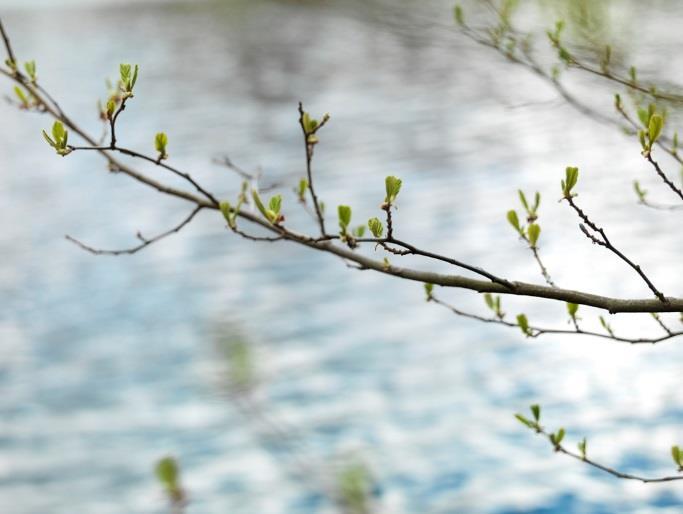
{"x":531,"y":210}
{"x":111,"y":109}
{"x":523,"y":324}
{"x":229,"y":214}
{"x":272,"y":213}
{"x":677,"y":455}
{"x":555,"y":40}
{"x":429,"y":291}
{"x":160,"y":142}
{"x":556,"y":438}
{"x":644,"y":115}
{"x":582,"y":448}
{"x":606,"y":59}
{"x":572,"y":309}
{"x":531,"y":233}
{"x":570,"y":180}
{"x":11,"y":64}
{"x":354,"y":484}
{"x":393,"y":187}
{"x":459,"y":15}
{"x":30,"y":67}
{"x":128,"y":80}
{"x":534,"y":423}
{"x":344,"y":212}
{"x":674,"y":143}
{"x":301,"y":190}
{"x":376,"y":227}
{"x":493,"y":303}
{"x":359,"y":231}
{"x":653,"y":123}
{"x":534,"y":232}
{"x":640,"y":192}
{"x":654,"y":129}
{"x":24,"y":101}
{"x":168,"y":473}
{"x":311,"y":126}
{"x":606,"y":326}
{"x":59,"y":139}
{"x":513,"y":219}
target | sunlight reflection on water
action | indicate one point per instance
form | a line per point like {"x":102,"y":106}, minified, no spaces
{"x":108,"y":364}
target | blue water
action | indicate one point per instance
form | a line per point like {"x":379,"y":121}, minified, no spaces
{"x":107,"y":364}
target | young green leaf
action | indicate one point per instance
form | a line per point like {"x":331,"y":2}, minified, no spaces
{"x":524,"y":421}
{"x":429,"y":289}
{"x":677,"y":455}
{"x":49,"y":140}
{"x":127,"y":80}
{"x":301,"y":191}
{"x":537,"y":202}
{"x":582,"y":447}
{"x":488,"y":298}
{"x":23,"y":99}
{"x":160,"y":142}
{"x":135,"y":77}
{"x":344,"y":212}
{"x":111,"y":108}
{"x":523,"y":324}
{"x":606,"y":326}
{"x":513,"y":219}
{"x":30,"y":67}
{"x":522,"y":198}
{"x":259,"y":204}
{"x":376,"y":227}
{"x":228,"y":213}
{"x":59,"y":139}
{"x":359,"y":231}
{"x":557,"y":437}
{"x":640,"y":192}
{"x":560,"y":435}
{"x":393,"y":186}
{"x":655,"y":127}
{"x":534,"y":232}
{"x":633,"y":74}
{"x":536,"y":411}
{"x":168,"y":473}
{"x":572,"y":309}
{"x":58,"y":131}
{"x":275,"y":204}
{"x":571,"y":178}
{"x":309,"y":124}
{"x":459,"y":15}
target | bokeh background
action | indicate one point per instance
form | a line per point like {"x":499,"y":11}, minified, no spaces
{"x":108,"y":364}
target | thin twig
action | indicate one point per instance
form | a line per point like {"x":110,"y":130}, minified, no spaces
{"x":8,"y":45}
{"x":157,"y":162}
{"x":309,"y":171}
{"x":605,"y":242}
{"x":559,"y":448}
{"x":145,"y":242}
{"x":662,"y":175}
{"x":536,"y":331}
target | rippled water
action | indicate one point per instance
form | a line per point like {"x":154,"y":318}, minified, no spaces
{"x":106,"y":364}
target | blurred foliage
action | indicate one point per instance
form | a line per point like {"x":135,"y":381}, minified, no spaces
{"x":236,"y":352}
{"x":355,"y":484}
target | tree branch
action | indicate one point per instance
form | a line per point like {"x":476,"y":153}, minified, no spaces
{"x":145,"y":242}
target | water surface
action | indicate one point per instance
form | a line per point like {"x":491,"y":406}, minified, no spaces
{"x":109,"y":363}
